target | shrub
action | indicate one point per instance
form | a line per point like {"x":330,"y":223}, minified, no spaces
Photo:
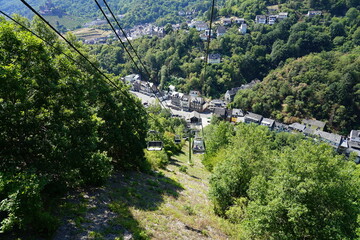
{"x":97,"y":169}
{"x":157,"y":159}
{"x":22,"y":204}
{"x":183,"y":169}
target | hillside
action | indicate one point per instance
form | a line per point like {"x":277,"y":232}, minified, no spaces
{"x":324,"y":86}
{"x":133,"y":11}
{"x":172,"y":11}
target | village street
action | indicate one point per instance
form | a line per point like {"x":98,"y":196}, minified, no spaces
{"x":205,"y":117}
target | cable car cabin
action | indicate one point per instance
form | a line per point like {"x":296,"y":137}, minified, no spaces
{"x":154,"y":146}
{"x":154,"y":143}
{"x":198,"y":146}
{"x":177,"y":139}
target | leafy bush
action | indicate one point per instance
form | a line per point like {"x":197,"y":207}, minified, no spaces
{"x":21,"y":202}
{"x":98,"y":169}
{"x":183,"y":169}
{"x":157,"y":159}
{"x":286,"y":191}
{"x":61,"y":125}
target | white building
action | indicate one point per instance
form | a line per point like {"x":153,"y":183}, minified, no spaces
{"x":214,"y":58}
{"x":243,"y":28}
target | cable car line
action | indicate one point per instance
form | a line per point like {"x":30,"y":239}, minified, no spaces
{"x":208,"y":40}
{"x":124,"y":33}
{"x":78,"y":51}
{"x":109,"y":81}
{"x":127,"y":98}
{"x":127,"y":51}
{"x":37,"y":35}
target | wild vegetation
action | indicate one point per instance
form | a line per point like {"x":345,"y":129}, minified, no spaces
{"x":61,"y":126}
{"x":178,"y":59}
{"x":281,"y":186}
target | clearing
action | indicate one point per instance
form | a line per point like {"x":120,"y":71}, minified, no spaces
{"x":169,"y":204}
{"x":90,"y":33}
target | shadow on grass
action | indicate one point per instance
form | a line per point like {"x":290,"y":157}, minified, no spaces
{"x":143,"y":191}
{"x":174,"y":162}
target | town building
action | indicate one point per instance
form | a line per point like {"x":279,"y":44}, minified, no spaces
{"x":261,"y":19}
{"x":221,"y":30}
{"x":280,"y":127}
{"x":214,"y":58}
{"x":226,"y":21}
{"x":314,"y":124}
{"x":271,"y":19}
{"x":216,"y":103}
{"x":230,"y":94}
{"x":297,"y":127}
{"x":176,"y":99}
{"x":239,"y":20}
{"x":314,"y":13}
{"x":194,"y":117}
{"x":199,"y":25}
{"x":243,"y":28}
{"x":197,"y":104}
{"x":268,"y":123}
{"x":220,"y":112}
{"x":333,"y":139}
{"x":282,"y":16}
{"x":185,"y":102}
{"x":253,"y":118}
{"x":194,"y":93}
{"x":355,"y":136}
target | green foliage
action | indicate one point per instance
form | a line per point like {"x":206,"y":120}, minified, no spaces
{"x":21,"y":203}
{"x":248,"y":150}
{"x":61,"y":125}
{"x":98,"y":169}
{"x":286,"y":191}
{"x":183,"y":169}
{"x":316,"y":86}
{"x":157,"y":159}
{"x":217,"y":136}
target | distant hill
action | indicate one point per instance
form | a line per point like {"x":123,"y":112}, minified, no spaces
{"x":133,"y":11}
{"x":16,"y":6}
{"x":324,"y":86}
{"x":171,"y":11}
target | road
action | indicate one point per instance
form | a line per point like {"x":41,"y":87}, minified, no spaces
{"x":205,"y":117}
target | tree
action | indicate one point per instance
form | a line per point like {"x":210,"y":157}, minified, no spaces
{"x":309,"y":184}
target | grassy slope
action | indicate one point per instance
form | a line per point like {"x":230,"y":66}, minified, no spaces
{"x":69,"y":22}
{"x":90,"y":33}
{"x":170,"y":204}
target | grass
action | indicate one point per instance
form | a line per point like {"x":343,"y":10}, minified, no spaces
{"x":90,"y":33}
{"x":169,"y":204}
{"x":189,"y":215}
{"x":69,"y":22}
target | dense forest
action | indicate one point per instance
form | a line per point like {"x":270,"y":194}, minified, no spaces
{"x":280,"y":185}
{"x":63,"y":126}
{"x":134,"y":11}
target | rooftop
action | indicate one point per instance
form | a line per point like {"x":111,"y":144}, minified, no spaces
{"x":297,"y":126}
{"x":267,"y":121}
{"x":254,"y":116}
{"x":332,"y":137}
{"x":315,"y":123}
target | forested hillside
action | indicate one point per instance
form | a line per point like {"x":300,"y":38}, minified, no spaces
{"x":280,"y":185}
{"x":324,"y":86}
{"x":178,"y":59}
{"x":133,"y":11}
{"x":16,"y":6}
{"x":62,"y":126}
